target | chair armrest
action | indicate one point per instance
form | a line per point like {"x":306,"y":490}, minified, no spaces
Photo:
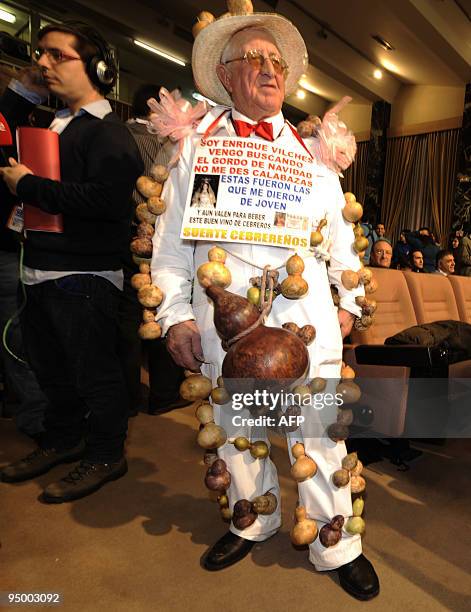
{"x":406,"y":355}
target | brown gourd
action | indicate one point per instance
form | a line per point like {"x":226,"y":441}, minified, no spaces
{"x":218,"y":477}
{"x":304,"y":531}
{"x":304,"y":467}
{"x":263,"y":354}
{"x":294,"y":286}
{"x":156,"y":205}
{"x":148,"y":187}
{"x":150,"y":330}
{"x":142,"y":247}
{"x":243,"y":515}
{"x":220,"y":396}
{"x":211,"y":436}
{"x":158,"y":172}
{"x":214,"y":273}
{"x":265,"y":504}
{"x":316,"y":235}
{"x":331,"y":533}
{"x":196,"y":387}
{"x":139,"y":280}
{"x":150,"y":296}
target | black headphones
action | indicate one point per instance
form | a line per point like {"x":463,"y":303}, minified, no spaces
{"x":101,"y":68}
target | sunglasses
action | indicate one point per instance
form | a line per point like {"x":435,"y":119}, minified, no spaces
{"x":55,"y":55}
{"x":257,"y":59}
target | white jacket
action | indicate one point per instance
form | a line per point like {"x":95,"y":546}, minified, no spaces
{"x":175,"y":261}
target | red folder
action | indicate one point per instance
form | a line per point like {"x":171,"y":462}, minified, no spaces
{"x":5,"y":134}
{"x":38,"y":148}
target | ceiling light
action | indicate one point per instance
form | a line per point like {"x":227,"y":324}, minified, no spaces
{"x":159,"y":52}
{"x":378,"y":74}
{"x":382,"y":42}
{"x":197,"y":96}
{"x":6,"y":16}
{"x":306,"y":85}
{"x":300,"y":94}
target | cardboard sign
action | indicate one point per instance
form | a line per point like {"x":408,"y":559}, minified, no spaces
{"x":250,"y":191}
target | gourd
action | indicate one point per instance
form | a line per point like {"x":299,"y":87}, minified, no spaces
{"x":304,"y":467}
{"x":304,"y":531}
{"x":294,"y":286}
{"x":218,"y":477}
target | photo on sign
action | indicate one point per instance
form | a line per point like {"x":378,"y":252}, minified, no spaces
{"x":205,"y":191}
{"x":297,"y":222}
{"x":280,"y":219}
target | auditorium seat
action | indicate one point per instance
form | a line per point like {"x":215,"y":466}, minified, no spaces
{"x":462,"y":289}
{"x":394,"y":313}
{"x":434,"y":299}
{"x":404,"y":299}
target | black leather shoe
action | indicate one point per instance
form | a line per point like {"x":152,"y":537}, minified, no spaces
{"x":228,"y":550}
{"x":84,"y":479}
{"x":40,"y":462}
{"x":359,"y":578}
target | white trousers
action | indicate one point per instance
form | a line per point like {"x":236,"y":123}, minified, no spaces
{"x":252,"y":477}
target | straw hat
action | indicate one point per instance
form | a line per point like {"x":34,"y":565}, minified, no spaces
{"x":210,"y":42}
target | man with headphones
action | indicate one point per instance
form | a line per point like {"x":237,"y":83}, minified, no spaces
{"x":73,"y":279}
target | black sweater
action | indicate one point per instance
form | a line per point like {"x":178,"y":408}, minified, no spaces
{"x":100,"y":164}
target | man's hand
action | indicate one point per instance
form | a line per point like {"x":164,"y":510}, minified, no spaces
{"x":184,"y":344}
{"x":13,"y":174}
{"x":346,"y":320}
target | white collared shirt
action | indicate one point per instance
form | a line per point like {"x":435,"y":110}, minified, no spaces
{"x":277,"y":121}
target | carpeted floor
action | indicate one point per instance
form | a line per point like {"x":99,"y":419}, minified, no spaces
{"x":136,"y":544}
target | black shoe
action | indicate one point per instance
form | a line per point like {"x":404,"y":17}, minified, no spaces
{"x":40,"y":462}
{"x":84,"y":479}
{"x":227,"y":551}
{"x":359,"y":578}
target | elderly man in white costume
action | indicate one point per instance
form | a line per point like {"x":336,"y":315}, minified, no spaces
{"x":248,"y":64}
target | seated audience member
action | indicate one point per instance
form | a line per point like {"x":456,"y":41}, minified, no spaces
{"x":454,"y":246}
{"x":380,"y":231}
{"x":445,"y":263}
{"x":381,"y":254}
{"x":416,"y":260}
{"x":401,"y":250}
{"x":423,"y":241}
{"x":465,"y":252}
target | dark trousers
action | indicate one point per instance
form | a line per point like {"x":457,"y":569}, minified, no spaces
{"x":29,"y":413}
{"x":71,"y":334}
{"x":165,"y":376}
{"x":130,"y":344}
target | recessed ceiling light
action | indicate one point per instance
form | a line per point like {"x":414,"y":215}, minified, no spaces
{"x":378,"y":74}
{"x":163,"y":54}
{"x":382,"y":42}
{"x":6,"y":16}
{"x":306,"y":85}
{"x":301,"y":94}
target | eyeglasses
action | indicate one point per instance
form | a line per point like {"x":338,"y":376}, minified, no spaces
{"x":257,"y":59}
{"x":55,"y":55}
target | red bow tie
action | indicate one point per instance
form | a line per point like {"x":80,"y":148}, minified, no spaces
{"x":262,"y":128}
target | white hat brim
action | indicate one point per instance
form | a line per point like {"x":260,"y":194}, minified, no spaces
{"x":211,"y":40}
